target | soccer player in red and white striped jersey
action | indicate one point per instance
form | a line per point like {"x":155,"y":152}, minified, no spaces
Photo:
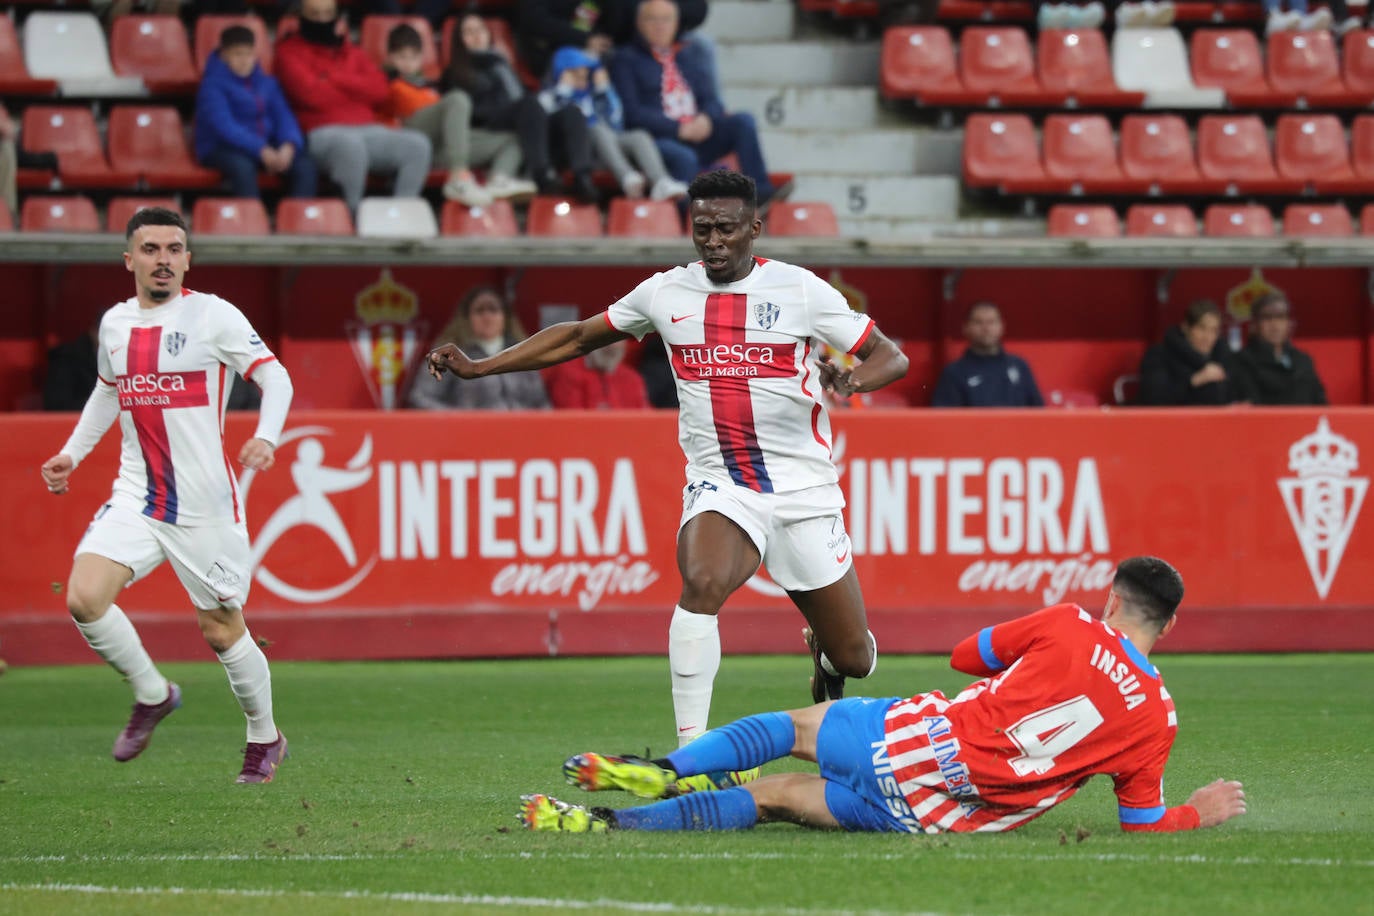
{"x":1065,"y":696}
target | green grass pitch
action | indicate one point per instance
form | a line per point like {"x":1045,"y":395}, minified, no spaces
{"x":401,"y":790}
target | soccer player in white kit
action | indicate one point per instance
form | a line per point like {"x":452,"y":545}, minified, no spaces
{"x":165,"y":361}
{"x":741,"y":335}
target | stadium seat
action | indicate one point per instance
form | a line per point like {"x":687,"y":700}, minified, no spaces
{"x":151,"y":141}
{"x":377,"y":28}
{"x":496,"y":220}
{"x":155,"y":49}
{"x":120,"y":209}
{"x":1304,"y":64}
{"x":313,"y":216}
{"x":70,"y":132}
{"x":998,"y":148}
{"x":802,"y":218}
{"x":14,"y":75}
{"x":70,"y":48}
{"x":561,"y":218}
{"x":209,"y":27}
{"x":1367,"y":220}
{"x":1235,"y":149}
{"x":1230,"y":60}
{"x":230,"y":216}
{"x":1155,"y":62}
{"x":1079,"y":152}
{"x":1362,"y":147}
{"x":1313,"y":149}
{"x":996,"y":64}
{"x":917,"y":61}
{"x":646,"y":219}
{"x":396,"y":218}
{"x":1357,"y":62}
{"x":1072,"y":399}
{"x":1317,"y":220}
{"x":58,"y":214}
{"x":1173,"y":220}
{"x":1158,"y":149}
{"x":1237,"y":220}
{"x":1075,"y":62}
{"x":1083,"y":221}
{"x":6,"y":218}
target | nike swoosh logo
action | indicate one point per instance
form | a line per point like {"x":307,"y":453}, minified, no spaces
{"x":114,"y":350}
{"x":685,"y":728}
{"x":842,"y":557}
{"x":677,"y":318}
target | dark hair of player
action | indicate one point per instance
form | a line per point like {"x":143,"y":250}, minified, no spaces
{"x":155,"y":216}
{"x":1151,"y":587}
{"x":403,"y":38}
{"x":722,"y":183}
{"x":235,"y":36}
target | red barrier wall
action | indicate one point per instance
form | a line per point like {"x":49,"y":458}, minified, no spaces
{"x":424,"y":535}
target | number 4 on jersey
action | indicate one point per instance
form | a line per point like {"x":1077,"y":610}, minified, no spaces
{"x":1048,"y":733}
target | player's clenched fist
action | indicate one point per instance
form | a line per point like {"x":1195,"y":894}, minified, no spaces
{"x":1218,"y":802}
{"x":449,"y":358}
{"x":258,"y":454}
{"x":55,"y":472}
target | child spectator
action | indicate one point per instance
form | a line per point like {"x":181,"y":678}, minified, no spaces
{"x":579,"y":80}
{"x":447,"y":121}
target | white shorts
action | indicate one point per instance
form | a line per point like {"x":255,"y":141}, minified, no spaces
{"x":800,"y":535}
{"x":213,"y":562}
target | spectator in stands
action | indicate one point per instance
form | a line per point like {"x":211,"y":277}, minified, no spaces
{"x":9,"y":161}
{"x":447,"y":121}
{"x":336,"y":89}
{"x":666,"y":91}
{"x":1188,"y":368}
{"x":1269,"y":369}
{"x":544,"y":26}
{"x":482,"y":325}
{"x":71,"y":371}
{"x":109,"y":10}
{"x":579,"y":80}
{"x":600,"y":381}
{"x":243,"y":123}
{"x":500,"y":102}
{"x":986,"y":375}
{"x":1296,"y":18}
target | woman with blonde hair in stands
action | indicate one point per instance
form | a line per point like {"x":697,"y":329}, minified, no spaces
{"x":483,"y":324}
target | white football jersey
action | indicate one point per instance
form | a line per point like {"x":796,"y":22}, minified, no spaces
{"x":744,"y":357}
{"x":171,"y":366}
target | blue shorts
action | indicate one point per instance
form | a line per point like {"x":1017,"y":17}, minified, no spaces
{"x":851,"y":748}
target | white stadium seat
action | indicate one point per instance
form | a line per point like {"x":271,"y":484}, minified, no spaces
{"x":71,"y":48}
{"x":396,"y":218}
{"x":1155,"y":62}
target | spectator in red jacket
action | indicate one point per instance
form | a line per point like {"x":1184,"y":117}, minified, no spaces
{"x":600,"y":380}
{"x":336,"y":90}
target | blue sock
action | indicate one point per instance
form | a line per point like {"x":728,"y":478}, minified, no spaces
{"x":741,"y":745}
{"x":728,"y":809}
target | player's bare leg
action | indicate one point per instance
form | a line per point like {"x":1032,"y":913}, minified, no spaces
{"x":715,"y":557}
{"x":94,"y":584}
{"x":795,"y":798}
{"x":251,"y":680}
{"x":838,"y":628}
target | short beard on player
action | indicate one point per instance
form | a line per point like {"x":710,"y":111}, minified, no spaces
{"x":159,"y":295}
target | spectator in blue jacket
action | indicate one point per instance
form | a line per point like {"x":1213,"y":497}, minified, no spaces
{"x":666,"y":90}
{"x":244,"y":124}
{"x":986,"y":375}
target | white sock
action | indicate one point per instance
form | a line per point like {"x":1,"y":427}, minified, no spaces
{"x":114,"y":639}
{"x":251,"y":681}
{"x":694,"y":658}
{"x":830,"y":669}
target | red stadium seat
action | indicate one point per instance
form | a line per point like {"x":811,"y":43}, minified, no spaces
{"x":1317,"y":220}
{"x":1076,"y":63}
{"x":59,"y":214}
{"x":155,"y":49}
{"x":644,"y":219}
{"x":1313,"y":148}
{"x":1235,"y":148}
{"x":996,"y":64}
{"x":1158,"y":149}
{"x":70,"y":132}
{"x":1357,"y":62}
{"x":150,"y":140}
{"x":1304,"y":64}
{"x":1083,"y":221}
{"x":6,"y":219}
{"x":802,"y":218}
{"x":1362,"y":147}
{"x":560,"y":217}
{"x":998,"y":148}
{"x":1237,"y":220}
{"x":1173,"y":220}
{"x":1367,"y":220}
{"x":14,"y":75}
{"x":1080,"y":152}
{"x":1230,"y":59}
{"x":313,"y":216}
{"x":209,"y":27}
{"x":1072,"y":399}
{"x":376,"y":29}
{"x":917,"y":61}
{"x":496,"y":220}
{"x":120,"y":209}
{"x":230,"y":216}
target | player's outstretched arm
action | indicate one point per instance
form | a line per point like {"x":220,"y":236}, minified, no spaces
{"x":883,"y":362}
{"x":555,"y":344}
{"x":1213,"y":804}
{"x":99,"y":414}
